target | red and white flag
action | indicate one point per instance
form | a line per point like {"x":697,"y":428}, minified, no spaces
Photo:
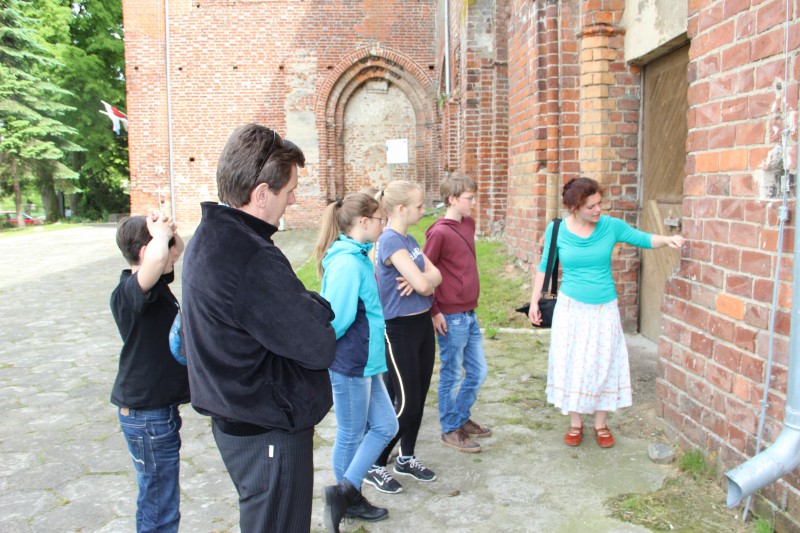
{"x":117,"y":117}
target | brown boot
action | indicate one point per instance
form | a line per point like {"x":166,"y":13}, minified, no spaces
{"x":460,"y":441}
{"x":475,"y":430}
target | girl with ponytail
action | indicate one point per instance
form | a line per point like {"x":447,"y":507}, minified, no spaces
{"x":364,"y":414}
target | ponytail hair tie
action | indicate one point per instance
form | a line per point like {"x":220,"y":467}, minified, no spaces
{"x":338,"y":203}
{"x":383,"y":191}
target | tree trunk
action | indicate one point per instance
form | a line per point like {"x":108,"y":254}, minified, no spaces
{"x":17,"y":197}
{"x":74,"y":202}
{"x":49,"y":200}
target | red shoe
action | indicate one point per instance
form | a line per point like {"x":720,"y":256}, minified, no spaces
{"x":604,"y":437}
{"x":574,"y":436}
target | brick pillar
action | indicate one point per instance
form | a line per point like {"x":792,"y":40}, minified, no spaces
{"x":609,"y":106}
{"x":483,"y":104}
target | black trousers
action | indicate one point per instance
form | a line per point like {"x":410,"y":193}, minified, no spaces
{"x":410,"y":356}
{"x":274,"y":476}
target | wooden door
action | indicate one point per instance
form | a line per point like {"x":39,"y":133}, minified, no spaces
{"x":663,"y":172}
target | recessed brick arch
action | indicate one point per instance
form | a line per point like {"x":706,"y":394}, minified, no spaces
{"x":352,"y":72}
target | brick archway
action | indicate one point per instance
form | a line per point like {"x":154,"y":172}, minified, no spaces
{"x":352,"y":72}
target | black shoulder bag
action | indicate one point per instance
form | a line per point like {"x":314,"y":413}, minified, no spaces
{"x":547,"y":303}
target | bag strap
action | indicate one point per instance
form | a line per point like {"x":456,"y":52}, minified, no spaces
{"x":465,"y":241}
{"x":551,"y":274}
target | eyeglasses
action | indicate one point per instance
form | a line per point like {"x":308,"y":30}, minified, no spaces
{"x":468,"y":198}
{"x":383,"y":220}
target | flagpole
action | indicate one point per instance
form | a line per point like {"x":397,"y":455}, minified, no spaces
{"x":169,"y":113}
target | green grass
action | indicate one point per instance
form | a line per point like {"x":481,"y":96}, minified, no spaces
{"x":690,"y":500}
{"x":502,"y":282}
{"x":308,"y":274}
{"x":694,"y":463}
{"x":762,"y":525}
{"x":30,"y":230}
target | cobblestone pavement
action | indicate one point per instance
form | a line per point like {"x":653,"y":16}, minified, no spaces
{"x":64,"y":465}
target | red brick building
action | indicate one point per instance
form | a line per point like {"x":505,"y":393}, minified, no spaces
{"x":677,"y":108}
{"x":338,"y":78}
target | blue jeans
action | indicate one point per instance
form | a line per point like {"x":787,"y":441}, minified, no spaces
{"x":461,"y":351}
{"x":361,"y":404}
{"x":154,"y":441}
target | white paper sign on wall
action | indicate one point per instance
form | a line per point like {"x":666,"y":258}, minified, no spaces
{"x":397,"y":151}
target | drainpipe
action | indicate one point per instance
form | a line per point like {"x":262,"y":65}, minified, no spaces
{"x":447,"y":48}
{"x":784,"y":454}
{"x":169,"y":113}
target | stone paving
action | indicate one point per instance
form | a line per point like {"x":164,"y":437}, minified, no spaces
{"x":64,"y":465}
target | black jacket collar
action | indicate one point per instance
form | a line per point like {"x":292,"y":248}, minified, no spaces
{"x":213,"y":211}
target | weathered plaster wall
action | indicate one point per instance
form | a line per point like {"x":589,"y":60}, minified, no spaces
{"x":377,"y":111}
{"x":653,"y":28}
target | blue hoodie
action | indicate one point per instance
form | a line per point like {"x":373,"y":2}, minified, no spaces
{"x":349,"y":285}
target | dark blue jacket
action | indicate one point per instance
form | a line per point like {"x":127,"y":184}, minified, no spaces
{"x":258,"y":343}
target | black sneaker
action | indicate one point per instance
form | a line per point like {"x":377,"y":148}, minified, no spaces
{"x":414,"y":468}
{"x":378,"y":477}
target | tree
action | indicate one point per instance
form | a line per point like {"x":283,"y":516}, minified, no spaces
{"x":94,"y":63}
{"x":33,"y":141}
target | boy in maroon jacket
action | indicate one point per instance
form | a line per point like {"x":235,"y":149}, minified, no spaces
{"x":450,"y":245}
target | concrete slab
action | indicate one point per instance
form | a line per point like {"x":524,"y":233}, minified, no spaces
{"x":64,"y":465}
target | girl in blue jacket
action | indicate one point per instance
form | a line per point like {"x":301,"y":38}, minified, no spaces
{"x":365,"y":417}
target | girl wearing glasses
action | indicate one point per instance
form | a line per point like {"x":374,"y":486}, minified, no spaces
{"x":364,"y":414}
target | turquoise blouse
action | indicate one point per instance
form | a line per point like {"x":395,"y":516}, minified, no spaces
{"x":586,"y":262}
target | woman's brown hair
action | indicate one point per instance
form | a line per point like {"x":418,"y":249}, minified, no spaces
{"x":578,"y":190}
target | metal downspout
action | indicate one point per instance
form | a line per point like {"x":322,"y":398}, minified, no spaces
{"x":447,"y":48}
{"x":169,"y":113}
{"x":784,"y":454}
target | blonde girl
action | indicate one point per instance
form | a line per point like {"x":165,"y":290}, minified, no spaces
{"x":364,"y":414}
{"x":406,"y":280}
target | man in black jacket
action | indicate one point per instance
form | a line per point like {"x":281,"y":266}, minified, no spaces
{"x":258,"y":343}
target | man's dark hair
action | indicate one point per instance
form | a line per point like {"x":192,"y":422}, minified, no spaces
{"x":253,"y":155}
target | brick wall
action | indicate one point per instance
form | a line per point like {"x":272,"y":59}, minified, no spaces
{"x":574,"y":111}
{"x":716,"y":341}
{"x":540,"y":94}
{"x":474,"y":115}
{"x":275,"y":63}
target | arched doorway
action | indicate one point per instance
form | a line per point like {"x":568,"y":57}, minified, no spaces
{"x":375,"y":95}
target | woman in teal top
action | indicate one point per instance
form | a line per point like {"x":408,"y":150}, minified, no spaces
{"x":588,"y":370}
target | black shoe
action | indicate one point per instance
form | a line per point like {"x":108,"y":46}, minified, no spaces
{"x":415,"y":469}
{"x":362,"y":509}
{"x":381,"y":479}
{"x":337,"y":499}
